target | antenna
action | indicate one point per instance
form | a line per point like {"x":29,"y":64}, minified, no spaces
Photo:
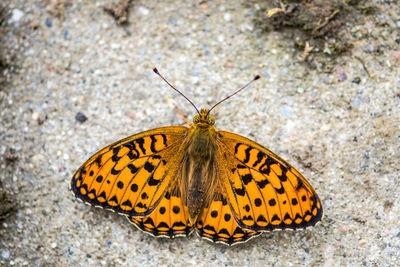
{"x":254,"y":79}
{"x":165,"y":80}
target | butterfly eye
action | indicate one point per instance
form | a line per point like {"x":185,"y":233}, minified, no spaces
{"x":196,"y":119}
{"x":211,"y":120}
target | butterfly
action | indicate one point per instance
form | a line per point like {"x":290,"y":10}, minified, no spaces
{"x":173,"y":180}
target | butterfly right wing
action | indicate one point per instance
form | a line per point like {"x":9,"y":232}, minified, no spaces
{"x":265,"y":192}
{"x":131,"y":176}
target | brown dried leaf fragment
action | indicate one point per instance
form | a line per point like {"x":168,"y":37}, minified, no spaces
{"x":118,"y":10}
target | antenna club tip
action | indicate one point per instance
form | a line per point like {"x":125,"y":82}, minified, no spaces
{"x":155,"y":70}
{"x":257,"y":77}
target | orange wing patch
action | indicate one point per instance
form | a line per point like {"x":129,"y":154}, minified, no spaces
{"x":265,"y":192}
{"x":217,"y":223}
{"x":131,"y":175}
{"x":169,"y":219}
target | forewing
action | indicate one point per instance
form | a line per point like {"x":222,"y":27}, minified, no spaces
{"x":265,"y":193}
{"x":217,"y":222}
{"x":131,"y":175}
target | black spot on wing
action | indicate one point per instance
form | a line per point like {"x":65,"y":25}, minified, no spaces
{"x":127,"y":203}
{"x":261,"y":218}
{"x":257,"y":202}
{"x":247,"y":218}
{"x":162,"y":210}
{"x":227,"y":217}
{"x":153,"y":144}
{"x":133,"y":153}
{"x":275,"y":218}
{"x":223,"y":231}
{"x":272,"y":202}
{"x":134,"y":187}
{"x":287,"y":217}
{"x":152,"y":181}
{"x":114,"y":171}
{"x":120,"y":185}
{"x":148,"y":167}
{"x":237,"y":147}
{"x":247,"y":178}
{"x":265,"y":168}
{"x":214,"y":213}
{"x":240,"y":191}
{"x":115,"y":158}
{"x":99,"y":178}
{"x":133,"y":168}
{"x":114,"y":199}
{"x":262,"y":183}
{"x":280,"y":190}
{"x":300,"y":184}
{"x":98,"y":161}
{"x":140,"y":142}
{"x":141,"y":205}
{"x":102,"y":195}
{"x":260,"y":156}
{"x":164,"y":139}
{"x":247,"y":153}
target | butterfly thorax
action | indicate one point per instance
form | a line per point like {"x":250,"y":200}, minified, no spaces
{"x":198,"y":172}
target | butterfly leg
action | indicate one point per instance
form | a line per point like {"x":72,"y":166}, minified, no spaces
{"x":181,"y":113}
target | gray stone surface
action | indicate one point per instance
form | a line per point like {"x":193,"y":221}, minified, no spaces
{"x":344,"y":137}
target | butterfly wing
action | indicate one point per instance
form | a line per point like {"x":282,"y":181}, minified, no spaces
{"x":169,"y":219}
{"x":132,"y":175}
{"x":265,"y":193}
{"x":217,"y":223}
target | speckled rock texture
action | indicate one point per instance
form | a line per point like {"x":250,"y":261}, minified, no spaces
{"x":82,"y":81}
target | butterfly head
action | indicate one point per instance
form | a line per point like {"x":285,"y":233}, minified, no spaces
{"x":203,"y":117}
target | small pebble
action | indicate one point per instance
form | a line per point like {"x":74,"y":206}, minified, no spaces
{"x":341,"y":74}
{"x":35,"y":116}
{"x":356,"y":102}
{"x":204,"y":6}
{"x":16,"y":15}
{"x":80,"y":117}
{"x":144,"y":11}
{"x":362,"y":242}
{"x":5,"y":254}
{"x":356,"y":80}
{"x":227,"y":16}
{"x":49,"y":23}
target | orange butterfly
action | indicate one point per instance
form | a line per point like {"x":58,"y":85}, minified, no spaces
{"x":169,"y":181}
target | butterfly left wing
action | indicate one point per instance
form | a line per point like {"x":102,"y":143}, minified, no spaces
{"x":169,"y":219}
{"x":265,"y":193}
{"x":133,"y":174}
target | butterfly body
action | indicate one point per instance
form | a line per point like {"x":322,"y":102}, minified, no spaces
{"x":198,"y":167}
{"x":169,"y":181}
